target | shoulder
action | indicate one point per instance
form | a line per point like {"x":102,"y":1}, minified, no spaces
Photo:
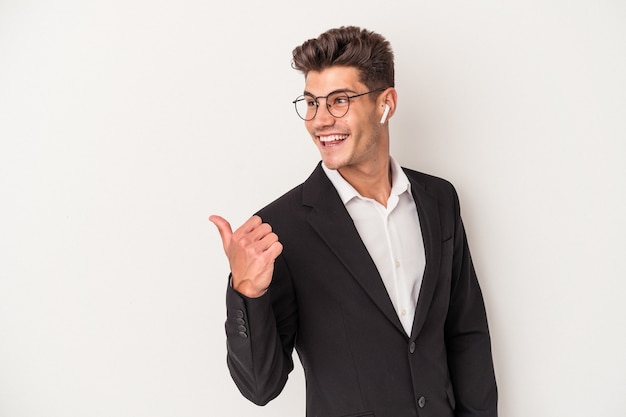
{"x":426,"y":187}
{"x":290,"y":207}
{"x":286,"y":215}
{"x":436,"y":186}
{"x":316,"y":187}
{"x":285,"y":203}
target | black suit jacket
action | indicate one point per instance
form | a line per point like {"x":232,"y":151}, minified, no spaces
{"x":328,"y":301}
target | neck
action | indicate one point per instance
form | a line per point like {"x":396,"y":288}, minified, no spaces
{"x":373,"y":181}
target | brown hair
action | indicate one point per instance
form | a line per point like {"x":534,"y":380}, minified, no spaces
{"x":350,"y":46}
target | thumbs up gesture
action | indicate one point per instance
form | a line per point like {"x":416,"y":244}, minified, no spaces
{"x":251,"y":251}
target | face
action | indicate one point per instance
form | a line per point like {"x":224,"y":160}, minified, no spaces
{"x":356,"y":141}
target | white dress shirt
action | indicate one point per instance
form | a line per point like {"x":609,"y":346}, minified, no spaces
{"x":392,"y":236}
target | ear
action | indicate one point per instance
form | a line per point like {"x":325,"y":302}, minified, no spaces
{"x":387,"y":104}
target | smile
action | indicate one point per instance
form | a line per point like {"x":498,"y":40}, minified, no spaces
{"x":331,"y":140}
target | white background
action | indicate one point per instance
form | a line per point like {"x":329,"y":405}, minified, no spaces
{"x":125,"y":123}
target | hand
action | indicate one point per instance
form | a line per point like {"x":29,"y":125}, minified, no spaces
{"x":251,"y":251}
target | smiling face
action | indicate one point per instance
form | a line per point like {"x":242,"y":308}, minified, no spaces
{"x":356,"y":141}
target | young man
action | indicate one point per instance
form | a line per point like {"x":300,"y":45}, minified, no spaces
{"x":364,"y":268}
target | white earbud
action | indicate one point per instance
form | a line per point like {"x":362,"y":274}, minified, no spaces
{"x":385,"y":114}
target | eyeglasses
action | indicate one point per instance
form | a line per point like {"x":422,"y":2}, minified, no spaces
{"x":337,"y":103}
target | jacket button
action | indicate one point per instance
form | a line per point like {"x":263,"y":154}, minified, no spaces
{"x":412,"y":348}
{"x":239,"y":313}
{"x":243,"y":334}
{"x":242,"y":328}
{"x":241,"y":321}
{"x":421,"y":402}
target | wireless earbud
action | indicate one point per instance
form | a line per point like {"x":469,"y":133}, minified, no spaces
{"x":385,"y":114}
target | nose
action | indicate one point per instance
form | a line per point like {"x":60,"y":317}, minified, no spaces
{"x":323,"y":116}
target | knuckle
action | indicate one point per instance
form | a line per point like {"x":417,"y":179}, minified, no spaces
{"x":265,"y":228}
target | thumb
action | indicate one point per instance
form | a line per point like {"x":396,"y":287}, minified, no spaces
{"x":224,"y":228}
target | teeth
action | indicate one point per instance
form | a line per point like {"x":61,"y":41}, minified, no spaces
{"x":332,"y":138}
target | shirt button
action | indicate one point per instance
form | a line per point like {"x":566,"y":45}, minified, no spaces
{"x":403,"y":312}
{"x":421,"y":402}
{"x":397,"y":263}
{"x":412,"y":347}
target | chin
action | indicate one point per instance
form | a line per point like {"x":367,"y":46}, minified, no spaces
{"x":334,"y":165}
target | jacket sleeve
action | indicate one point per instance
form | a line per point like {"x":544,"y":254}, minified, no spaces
{"x":260,"y":336}
{"x":467,"y":335}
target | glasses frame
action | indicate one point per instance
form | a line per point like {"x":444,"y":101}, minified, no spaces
{"x":328,"y":106}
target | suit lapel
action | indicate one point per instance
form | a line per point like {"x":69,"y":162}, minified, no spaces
{"x":431,"y":234}
{"x":330,"y":219}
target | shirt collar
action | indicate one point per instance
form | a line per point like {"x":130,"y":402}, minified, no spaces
{"x":399,"y":182}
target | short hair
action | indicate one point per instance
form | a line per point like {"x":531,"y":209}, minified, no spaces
{"x":350,"y":46}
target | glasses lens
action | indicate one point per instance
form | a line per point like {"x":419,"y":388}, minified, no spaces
{"x":338,"y":104}
{"x":306,"y":107}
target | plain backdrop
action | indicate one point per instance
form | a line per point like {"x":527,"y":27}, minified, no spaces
{"x":125,"y":124}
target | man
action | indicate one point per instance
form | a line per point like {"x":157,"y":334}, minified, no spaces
{"x":364,"y":268}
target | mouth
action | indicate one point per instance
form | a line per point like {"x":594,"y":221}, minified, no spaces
{"x":332,"y":140}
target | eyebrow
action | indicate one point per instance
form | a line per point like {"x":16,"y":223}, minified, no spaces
{"x":340,"y":90}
